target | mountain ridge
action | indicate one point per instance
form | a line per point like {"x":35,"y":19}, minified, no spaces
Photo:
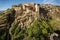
{"x":29,"y":16}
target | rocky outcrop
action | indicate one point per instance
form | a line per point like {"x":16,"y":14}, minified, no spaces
{"x":52,"y":36}
{"x":24,"y":15}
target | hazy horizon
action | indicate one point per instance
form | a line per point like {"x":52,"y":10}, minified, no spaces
{"x":5,"y":4}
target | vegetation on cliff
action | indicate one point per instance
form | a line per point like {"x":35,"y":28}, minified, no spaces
{"x":40,"y":30}
{"x":25,"y":22}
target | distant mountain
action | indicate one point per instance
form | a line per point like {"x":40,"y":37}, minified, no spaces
{"x":1,"y":11}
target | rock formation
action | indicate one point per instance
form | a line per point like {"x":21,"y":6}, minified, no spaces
{"x":24,"y":15}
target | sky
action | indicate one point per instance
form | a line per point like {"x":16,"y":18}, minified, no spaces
{"x":5,"y":4}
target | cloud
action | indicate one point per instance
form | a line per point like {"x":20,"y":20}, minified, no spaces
{"x":48,"y":2}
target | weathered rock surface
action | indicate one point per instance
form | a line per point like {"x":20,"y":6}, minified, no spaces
{"x":25,"y":14}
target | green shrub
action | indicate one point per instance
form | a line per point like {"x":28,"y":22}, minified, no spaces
{"x":37,"y":31}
